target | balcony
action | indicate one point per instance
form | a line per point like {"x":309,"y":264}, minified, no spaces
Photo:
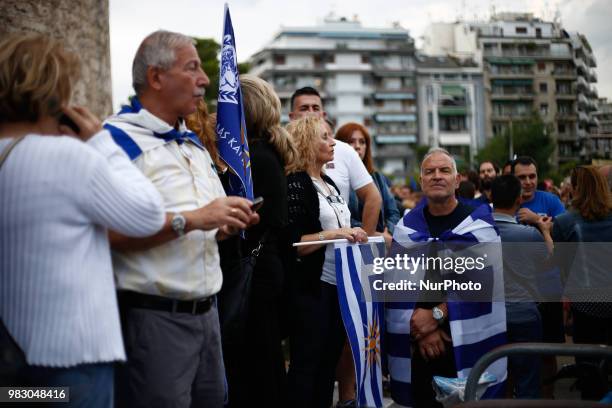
{"x":394,"y":94}
{"x":348,"y":67}
{"x":566,"y":116}
{"x":582,"y":101}
{"x":399,"y":138}
{"x":527,"y":53}
{"x":560,"y":73}
{"x":505,"y":116}
{"x":592,"y":75}
{"x":565,"y":94}
{"x":461,"y":138}
{"x":583,"y":117}
{"x":395,"y":117}
{"x":512,"y":95}
{"x":582,"y":84}
{"x":395,"y":130}
{"x":581,"y":66}
{"x":405,"y":109}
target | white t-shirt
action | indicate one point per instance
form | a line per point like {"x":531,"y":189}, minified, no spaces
{"x":332,"y":215}
{"x":347,"y":170}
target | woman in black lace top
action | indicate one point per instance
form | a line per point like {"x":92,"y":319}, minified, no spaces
{"x":317,"y":213}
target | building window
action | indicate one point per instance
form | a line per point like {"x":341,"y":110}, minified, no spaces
{"x":541,"y":66}
{"x":367,"y":122}
{"x":365,"y":59}
{"x":544,"y":109}
{"x":279,"y":59}
{"x":561,"y":128}
{"x":521,"y":30}
{"x":543,"y":87}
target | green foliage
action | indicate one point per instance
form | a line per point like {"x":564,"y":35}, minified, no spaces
{"x":208,"y":51}
{"x":530,"y":138}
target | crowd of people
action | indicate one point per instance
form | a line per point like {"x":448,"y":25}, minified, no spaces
{"x":129,"y":275}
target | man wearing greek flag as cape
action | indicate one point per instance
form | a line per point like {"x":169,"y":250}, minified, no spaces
{"x":437,"y":338}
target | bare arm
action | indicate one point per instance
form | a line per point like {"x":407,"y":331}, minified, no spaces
{"x":232,"y":212}
{"x":351,"y":234}
{"x":372,"y":201}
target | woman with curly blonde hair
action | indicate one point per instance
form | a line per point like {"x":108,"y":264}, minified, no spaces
{"x":317,"y":213}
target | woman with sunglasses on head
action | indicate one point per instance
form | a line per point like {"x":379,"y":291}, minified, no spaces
{"x":317,"y":213}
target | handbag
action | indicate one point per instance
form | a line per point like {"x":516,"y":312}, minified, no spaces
{"x":12,"y":358}
{"x":234,"y":296}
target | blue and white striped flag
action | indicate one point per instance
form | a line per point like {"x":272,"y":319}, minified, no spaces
{"x":363,"y":319}
{"x":231,"y":128}
{"x":476,"y":327}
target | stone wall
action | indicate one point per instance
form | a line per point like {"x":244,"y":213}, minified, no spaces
{"x":83,"y":26}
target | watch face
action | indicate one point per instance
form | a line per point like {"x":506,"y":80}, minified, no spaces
{"x":437,"y":313}
{"x":178,"y":223}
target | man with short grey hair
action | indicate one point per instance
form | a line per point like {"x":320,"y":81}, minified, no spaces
{"x":440,"y":218}
{"x":167,"y":283}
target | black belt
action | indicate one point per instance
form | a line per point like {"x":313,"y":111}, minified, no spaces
{"x":141,"y":301}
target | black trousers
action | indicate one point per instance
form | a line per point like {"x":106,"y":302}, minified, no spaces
{"x":255,"y":367}
{"x":423,"y":395}
{"x":317,"y":336}
{"x":589,"y":329}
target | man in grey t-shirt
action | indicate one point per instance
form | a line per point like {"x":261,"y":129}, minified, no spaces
{"x":524,"y":252}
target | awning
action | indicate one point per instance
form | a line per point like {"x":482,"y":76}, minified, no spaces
{"x":452,"y":110}
{"x":453,"y":90}
{"x":510,"y":61}
{"x":389,"y":139}
{"x":512,"y":82}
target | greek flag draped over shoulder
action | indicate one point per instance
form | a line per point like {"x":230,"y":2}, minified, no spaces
{"x":231,"y":128}
{"x":362,"y":320}
{"x":476,"y":327}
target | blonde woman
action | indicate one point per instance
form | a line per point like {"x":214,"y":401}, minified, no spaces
{"x":317,"y":212}
{"x":255,"y":360}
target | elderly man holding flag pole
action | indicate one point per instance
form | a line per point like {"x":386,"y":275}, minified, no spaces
{"x":167,"y":283}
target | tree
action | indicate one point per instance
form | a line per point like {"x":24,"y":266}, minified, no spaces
{"x":530,"y":137}
{"x":208,"y":51}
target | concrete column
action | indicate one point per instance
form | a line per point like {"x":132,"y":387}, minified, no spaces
{"x":83,"y":27}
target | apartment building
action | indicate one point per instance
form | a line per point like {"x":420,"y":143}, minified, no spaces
{"x":529,"y":66}
{"x":364,"y":75}
{"x":451,"y":105}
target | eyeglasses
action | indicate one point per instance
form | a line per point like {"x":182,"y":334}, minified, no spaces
{"x":335,"y":199}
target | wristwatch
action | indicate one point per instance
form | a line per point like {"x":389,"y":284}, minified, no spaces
{"x":321,"y":236}
{"x":178,"y":224}
{"x":438,"y":315}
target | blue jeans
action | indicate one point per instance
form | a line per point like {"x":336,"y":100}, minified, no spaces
{"x":524,"y":324}
{"x":91,"y":385}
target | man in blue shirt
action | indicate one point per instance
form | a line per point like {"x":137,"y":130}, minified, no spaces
{"x":536,"y":206}
{"x":535,"y":203}
{"x":522,"y":263}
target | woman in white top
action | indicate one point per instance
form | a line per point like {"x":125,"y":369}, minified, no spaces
{"x":58,"y":197}
{"x":317,"y":212}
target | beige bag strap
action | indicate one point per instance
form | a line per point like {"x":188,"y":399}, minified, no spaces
{"x":8,"y":149}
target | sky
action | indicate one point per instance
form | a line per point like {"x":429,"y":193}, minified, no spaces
{"x":257,"y":21}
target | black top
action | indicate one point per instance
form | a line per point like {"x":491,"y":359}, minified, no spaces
{"x":304,"y":215}
{"x":438,"y":224}
{"x":269,"y":182}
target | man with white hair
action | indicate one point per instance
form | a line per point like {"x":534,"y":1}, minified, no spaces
{"x":167,"y":283}
{"x":443,"y":345}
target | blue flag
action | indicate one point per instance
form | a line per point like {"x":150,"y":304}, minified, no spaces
{"x":362,"y":319}
{"x":231,"y":128}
